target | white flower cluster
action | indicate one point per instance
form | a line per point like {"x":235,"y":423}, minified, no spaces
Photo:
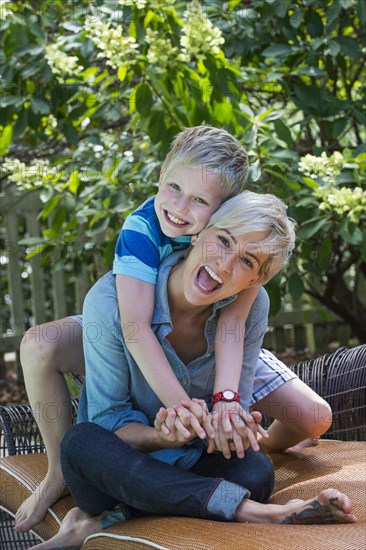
{"x":141,"y":4}
{"x":4,"y":9}
{"x":199,"y":36}
{"x":322,"y":167}
{"x":118,"y":49}
{"x":343,"y":201}
{"x":27,"y":177}
{"x":61,"y":64}
{"x":161,"y":51}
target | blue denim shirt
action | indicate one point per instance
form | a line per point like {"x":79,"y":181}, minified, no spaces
{"x":116,"y":393}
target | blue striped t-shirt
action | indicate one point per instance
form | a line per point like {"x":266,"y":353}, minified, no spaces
{"x":142,"y":245}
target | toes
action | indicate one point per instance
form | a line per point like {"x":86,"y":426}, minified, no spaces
{"x":337,"y":499}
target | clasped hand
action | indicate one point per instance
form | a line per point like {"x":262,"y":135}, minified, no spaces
{"x":229,"y":428}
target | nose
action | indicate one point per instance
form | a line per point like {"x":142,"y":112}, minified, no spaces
{"x":182,"y":204}
{"x":226,"y":261}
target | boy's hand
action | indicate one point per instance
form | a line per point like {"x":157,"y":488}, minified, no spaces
{"x":236,"y":429}
{"x":165,"y":426}
{"x":193,"y":413}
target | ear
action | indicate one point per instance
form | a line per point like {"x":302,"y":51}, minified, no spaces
{"x":161,"y":175}
{"x":257,"y":281}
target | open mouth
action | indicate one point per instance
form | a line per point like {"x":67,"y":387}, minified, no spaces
{"x":207,"y":280}
{"x":178,"y":222}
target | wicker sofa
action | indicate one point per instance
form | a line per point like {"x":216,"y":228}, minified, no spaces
{"x":338,"y":461}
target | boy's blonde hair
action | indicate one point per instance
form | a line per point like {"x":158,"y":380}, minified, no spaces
{"x":215,"y":151}
{"x":253,"y":212}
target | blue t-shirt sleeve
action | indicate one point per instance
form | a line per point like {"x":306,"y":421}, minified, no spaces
{"x":137,"y":251}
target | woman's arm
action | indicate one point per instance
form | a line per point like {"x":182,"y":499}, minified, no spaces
{"x":163,"y":435}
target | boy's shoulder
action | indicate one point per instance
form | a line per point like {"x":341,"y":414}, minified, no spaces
{"x":143,"y":216}
{"x":146,"y":209}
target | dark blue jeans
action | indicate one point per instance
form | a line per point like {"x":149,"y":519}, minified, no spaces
{"x":103,"y":471}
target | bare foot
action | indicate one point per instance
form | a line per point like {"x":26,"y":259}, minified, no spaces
{"x":310,"y":442}
{"x":76,"y":526}
{"x":33,"y":510}
{"x":331,"y":506}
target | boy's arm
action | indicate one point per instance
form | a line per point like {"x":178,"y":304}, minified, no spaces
{"x":229,"y":349}
{"x":229,"y":340}
{"x":136,"y":304}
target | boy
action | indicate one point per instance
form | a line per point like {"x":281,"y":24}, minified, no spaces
{"x":204,"y":167}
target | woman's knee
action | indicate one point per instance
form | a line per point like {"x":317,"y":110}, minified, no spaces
{"x":36,"y":351}
{"x":55,"y":346}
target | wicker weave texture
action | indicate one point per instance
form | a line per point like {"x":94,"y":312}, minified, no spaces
{"x":299,"y":475}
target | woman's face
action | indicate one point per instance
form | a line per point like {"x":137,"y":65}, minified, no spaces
{"x":221,"y":265}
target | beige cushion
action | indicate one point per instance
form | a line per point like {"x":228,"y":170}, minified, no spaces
{"x":298,"y":475}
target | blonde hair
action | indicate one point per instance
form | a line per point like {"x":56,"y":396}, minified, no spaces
{"x":255,"y":212}
{"x":215,"y":151}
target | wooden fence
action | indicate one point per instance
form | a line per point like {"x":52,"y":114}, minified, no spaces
{"x":27,"y":286}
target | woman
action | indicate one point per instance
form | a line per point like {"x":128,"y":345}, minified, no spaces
{"x":249,"y":235}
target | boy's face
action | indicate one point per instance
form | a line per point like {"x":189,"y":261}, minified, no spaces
{"x":186,"y":199}
{"x":221,"y":265}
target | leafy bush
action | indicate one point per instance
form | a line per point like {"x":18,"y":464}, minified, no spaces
{"x":95,"y":92}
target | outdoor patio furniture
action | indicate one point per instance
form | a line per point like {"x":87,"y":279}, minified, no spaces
{"x":338,"y":461}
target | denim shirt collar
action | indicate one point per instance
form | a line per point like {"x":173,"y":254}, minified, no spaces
{"x":161,"y":314}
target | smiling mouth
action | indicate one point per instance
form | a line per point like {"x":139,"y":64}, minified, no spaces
{"x":207,"y":280}
{"x":174,"y":220}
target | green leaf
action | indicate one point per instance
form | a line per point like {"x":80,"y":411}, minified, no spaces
{"x":311,"y":227}
{"x":283,"y":132}
{"x":74,"y":182}
{"x":21,"y":124}
{"x":334,"y":48}
{"x":363,"y":246}
{"x":324,"y":253}
{"x":39,"y":106}
{"x":143,"y":98}
{"x":361,"y":8}
{"x":5,"y":139}
{"x":350,"y":232}
{"x":122,"y":72}
{"x":311,"y":71}
{"x":296,"y":18}
{"x":310,"y":183}
{"x":71,"y":134}
{"x":349,"y":46}
{"x":157,"y":128}
{"x":296,"y":286}
{"x":7,"y":100}
{"x":277,"y":50}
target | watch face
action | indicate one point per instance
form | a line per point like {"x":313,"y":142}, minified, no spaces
{"x":228,"y":394}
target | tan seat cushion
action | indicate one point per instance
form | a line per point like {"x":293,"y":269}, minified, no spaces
{"x":298,"y":475}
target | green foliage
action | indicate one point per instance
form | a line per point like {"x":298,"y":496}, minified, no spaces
{"x":95,"y":92}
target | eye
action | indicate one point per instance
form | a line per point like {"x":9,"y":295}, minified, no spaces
{"x":247,"y":261}
{"x":174,"y":186}
{"x":201,"y":201}
{"x":224,"y":240}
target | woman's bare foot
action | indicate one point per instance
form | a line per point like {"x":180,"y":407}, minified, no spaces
{"x":33,"y":510}
{"x":76,"y":526}
{"x":331,"y":506}
{"x":310,"y":442}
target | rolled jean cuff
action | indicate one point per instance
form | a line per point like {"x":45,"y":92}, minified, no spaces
{"x":224,"y":500}
{"x":111,"y":517}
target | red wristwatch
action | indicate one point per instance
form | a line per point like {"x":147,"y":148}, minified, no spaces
{"x":226,"y":395}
